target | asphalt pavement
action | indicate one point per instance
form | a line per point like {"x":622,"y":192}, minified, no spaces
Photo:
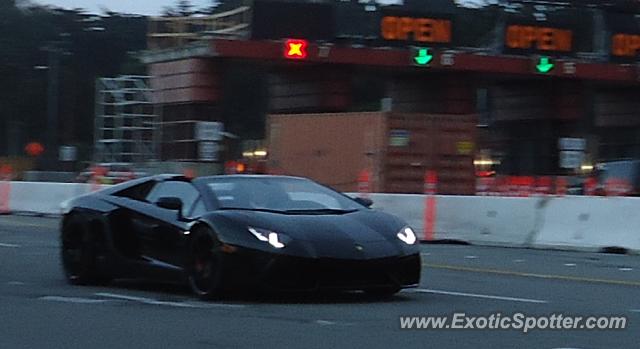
{"x":38,"y":309}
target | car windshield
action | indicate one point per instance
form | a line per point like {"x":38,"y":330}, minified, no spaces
{"x":278,"y":194}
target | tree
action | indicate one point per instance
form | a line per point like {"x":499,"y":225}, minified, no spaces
{"x":99,"y":46}
{"x":169,"y":11}
{"x":218,"y":6}
{"x":183,"y":8}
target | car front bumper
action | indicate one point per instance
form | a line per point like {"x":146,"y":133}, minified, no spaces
{"x":288,"y":273}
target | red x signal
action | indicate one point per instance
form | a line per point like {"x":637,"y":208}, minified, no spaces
{"x":295,"y":49}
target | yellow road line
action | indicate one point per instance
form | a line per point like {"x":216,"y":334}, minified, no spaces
{"x":533,"y":275}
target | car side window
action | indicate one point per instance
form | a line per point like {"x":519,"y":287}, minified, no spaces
{"x":179,"y":189}
{"x":198,"y":208}
{"x":138,"y":192}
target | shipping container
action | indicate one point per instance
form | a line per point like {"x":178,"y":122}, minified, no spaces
{"x":303,"y":90}
{"x":396,"y":149}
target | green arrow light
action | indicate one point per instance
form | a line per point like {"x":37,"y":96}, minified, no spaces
{"x":423,"y":57}
{"x":544,"y":65}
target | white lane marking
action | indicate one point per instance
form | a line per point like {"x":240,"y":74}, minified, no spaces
{"x":426,"y":253}
{"x":77,"y":300}
{"x":625,"y":269}
{"x":471,"y":257}
{"x":325,"y":322}
{"x":518,"y":261}
{"x":15,"y":283}
{"x":635,"y":310}
{"x":144,"y":300}
{"x":24,"y":223}
{"x":475,"y":295}
{"x":569,"y":264}
{"x":9,"y":245}
{"x":152,"y":301}
{"x":215,"y":305}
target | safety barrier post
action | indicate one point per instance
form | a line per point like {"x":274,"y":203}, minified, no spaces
{"x":523,"y":186}
{"x":93,"y":181}
{"x":364,"y":184}
{"x":561,"y":186}
{"x":430,"y":190}
{"x":5,"y":188}
{"x":590,"y":186}
{"x":617,"y":187}
{"x":512,"y":186}
{"x":484,"y":186}
{"x":501,"y":187}
{"x":543,"y":186}
{"x":97,"y":175}
{"x":189,"y":173}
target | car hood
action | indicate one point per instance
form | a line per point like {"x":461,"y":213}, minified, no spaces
{"x":360,"y":234}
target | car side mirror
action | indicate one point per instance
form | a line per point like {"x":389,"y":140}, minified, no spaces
{"x":170,"y":203}
{"x":364,"y":201}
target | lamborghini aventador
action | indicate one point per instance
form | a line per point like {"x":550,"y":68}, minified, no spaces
{"x":231,"y":233}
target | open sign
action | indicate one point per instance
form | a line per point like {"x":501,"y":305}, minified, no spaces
{"x":527,"y":37}
{"x":625,"y":45}
{"x":416,"y":29}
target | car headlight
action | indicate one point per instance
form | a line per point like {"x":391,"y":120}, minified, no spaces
{"x":270,"y":237}
{"x":407,"y":235}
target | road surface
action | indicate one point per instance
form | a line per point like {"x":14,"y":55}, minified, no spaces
{"x":38,"y":309}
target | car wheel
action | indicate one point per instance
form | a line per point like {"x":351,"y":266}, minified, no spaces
{"x":382,"y":292}
{"x":205,"y":265}
{"x":78,"y":253}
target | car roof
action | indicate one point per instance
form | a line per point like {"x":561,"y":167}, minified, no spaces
{"x":122,"y":186}
{"x":250,"y":176}
{"x":164,"y":177}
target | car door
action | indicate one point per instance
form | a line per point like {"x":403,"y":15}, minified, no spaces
{"x":159,"y":230}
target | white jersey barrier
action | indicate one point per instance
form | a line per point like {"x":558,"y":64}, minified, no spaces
{"x":590,"y":223}
{"x":572,"y":222}
{"x":409,"y":207}
{"x":506,"y":221}
{"x":501,"y":221}
{"x":43,"y":198}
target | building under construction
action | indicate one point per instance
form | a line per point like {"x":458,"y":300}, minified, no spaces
{"x":532,"y":73}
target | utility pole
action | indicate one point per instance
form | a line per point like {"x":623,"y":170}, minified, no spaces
{"x":52,"y":106}
{"x":55,"y":50}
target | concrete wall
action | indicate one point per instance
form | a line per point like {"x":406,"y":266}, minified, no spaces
{"x":583,"y":223}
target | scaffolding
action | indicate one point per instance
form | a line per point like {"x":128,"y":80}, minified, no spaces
{"x":168,"y":32}
{"x":125,"y":121}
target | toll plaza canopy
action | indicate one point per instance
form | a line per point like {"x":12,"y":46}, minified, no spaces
{"x":531,"y":71}
{"x":572,"y":31}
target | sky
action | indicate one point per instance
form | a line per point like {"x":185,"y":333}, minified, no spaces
{"x":144,"y":7}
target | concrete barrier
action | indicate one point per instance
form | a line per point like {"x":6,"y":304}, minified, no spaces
{"x":409,"y":207}
{"x":43,"y":198}
{"x":590,"y":223}
{"x":586,"y":223}
{"x":572,"y":222}
{"x":498,"y":221}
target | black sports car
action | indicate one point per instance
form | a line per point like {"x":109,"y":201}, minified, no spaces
{"x":225,"y":233}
